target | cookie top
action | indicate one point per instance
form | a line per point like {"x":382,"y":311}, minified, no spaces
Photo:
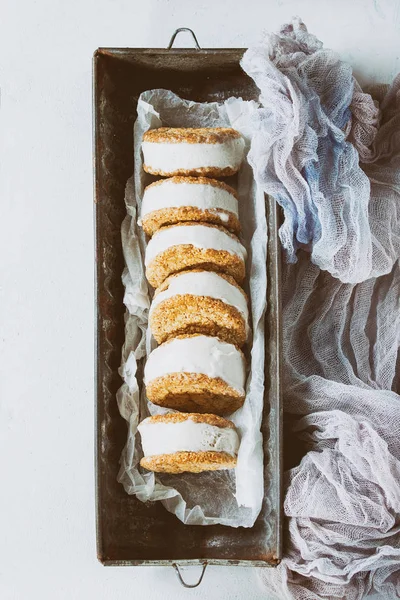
{"x":203,"y":135}
{"x":178,"y":417}
{"x":180,"y":179}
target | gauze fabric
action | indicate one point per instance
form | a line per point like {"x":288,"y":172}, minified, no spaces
{"x":330,"y":155}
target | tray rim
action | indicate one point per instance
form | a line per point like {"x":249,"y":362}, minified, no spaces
{"x":117,"y":52}
{"x":272,"y":219}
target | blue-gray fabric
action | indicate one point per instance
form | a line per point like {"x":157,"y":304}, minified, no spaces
{"x":330,"y":155}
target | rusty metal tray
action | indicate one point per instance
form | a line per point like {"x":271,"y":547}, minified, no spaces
{"x":130,"y":532}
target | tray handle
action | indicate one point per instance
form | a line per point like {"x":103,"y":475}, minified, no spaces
{"x":189,"y":585}
{"x":171,"y":43}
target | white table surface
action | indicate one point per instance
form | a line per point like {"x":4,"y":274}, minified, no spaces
{"x":47,"y":548}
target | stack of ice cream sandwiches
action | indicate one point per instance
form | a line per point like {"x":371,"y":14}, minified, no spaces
{"x":199,"y":314}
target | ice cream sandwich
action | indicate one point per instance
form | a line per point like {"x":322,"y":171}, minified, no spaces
{"x":179,"y":199}
{"x":177,"y":443}
{"x":209,"y":152}
{"x":200,"y":301}
{"x":196,"y":373}
{"x":193,"y":245}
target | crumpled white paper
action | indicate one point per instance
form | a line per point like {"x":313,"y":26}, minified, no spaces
{"x":225,"y":497}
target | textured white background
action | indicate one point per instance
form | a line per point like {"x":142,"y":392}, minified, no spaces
{"x":47,"y":548}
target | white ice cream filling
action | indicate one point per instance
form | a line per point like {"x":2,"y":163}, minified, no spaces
{"x":199,"y":354}
{"x":200,"y":236}
{"x":207,"y":284}
{"x":186,"y":436}
{"x":171,"y":157}
{"x":198,"y":195}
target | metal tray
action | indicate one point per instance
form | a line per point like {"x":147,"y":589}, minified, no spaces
{"x":130,"y":532}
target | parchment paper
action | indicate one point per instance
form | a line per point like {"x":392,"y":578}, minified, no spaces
{"x":230,"y":497}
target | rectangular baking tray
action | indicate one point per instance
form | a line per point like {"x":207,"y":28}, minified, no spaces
{"x":130,"y":532}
